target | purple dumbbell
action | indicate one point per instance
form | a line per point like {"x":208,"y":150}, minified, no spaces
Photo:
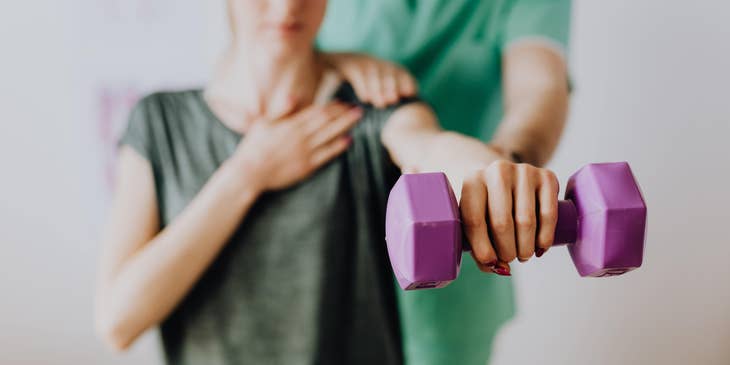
{"x":602,"y":220}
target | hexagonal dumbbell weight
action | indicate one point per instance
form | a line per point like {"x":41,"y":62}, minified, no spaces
{"x":602,"y":220}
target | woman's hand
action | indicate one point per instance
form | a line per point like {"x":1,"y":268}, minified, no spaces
{"x":375,"y":81}
{"x":278,"y":153}
{"x":509,"y":211}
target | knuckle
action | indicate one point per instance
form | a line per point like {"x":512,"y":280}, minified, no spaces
{"x":500,"y":168}
{"x":548,"y":216}
{"x":474,"y":222}
{"x":523,"y":168}
{"x":549,"y":177}
{"x":525,"y":221}
{"x":473,"y":178}
{"x":471,"y":183}
{"x":470,"y":214}
{"x":501,"y":225}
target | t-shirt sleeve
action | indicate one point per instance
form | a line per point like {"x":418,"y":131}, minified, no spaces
{"x":545,"y":21}
{"x":369,"y":159}
{"x":138,"y":133}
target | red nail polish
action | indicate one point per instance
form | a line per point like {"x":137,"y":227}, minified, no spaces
{"x":502,"y":271}
{"x":539,"y":252}
{"x":490,"y":264}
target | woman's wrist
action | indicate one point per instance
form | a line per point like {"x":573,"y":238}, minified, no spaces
{"x":242,"y":182}
{"x":510,"y":155}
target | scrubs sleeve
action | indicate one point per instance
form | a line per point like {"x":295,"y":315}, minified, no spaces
{"x":545,"y":21}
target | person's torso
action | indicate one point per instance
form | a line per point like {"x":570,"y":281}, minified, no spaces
{"x":305,"y":277}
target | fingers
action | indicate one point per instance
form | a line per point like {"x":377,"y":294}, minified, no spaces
{"x":357,"y":77}
{"x":499,"y":197}
{"x":390,"y":92}
{"x":312,"y":118}
{"x":525,"y":213}
{"x":381,"y":83}
{"x":473,"y":206}
{"x":509,"y":211}
{"x":325,"y":130}
{"x":407,"y":85}
{"x":548,"y":189}
{"x":395,"y":82}
{"x":327,"y":152}
{"x":376,"y":85}
{"x":374,"y":81}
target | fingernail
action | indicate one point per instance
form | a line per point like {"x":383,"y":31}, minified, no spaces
{"x":490,"y":264}
{"x":502,"y":271}
{"x":539,"y":252}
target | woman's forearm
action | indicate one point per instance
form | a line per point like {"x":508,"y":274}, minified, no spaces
{"x":143,"y":290}
{"x":416,"y":143}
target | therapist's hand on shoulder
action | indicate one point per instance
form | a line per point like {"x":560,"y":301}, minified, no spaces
{"x":282,"y":151}
{"x":509,"y":211}
{"x":375,"y":81}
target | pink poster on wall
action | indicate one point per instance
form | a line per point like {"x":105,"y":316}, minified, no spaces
{"x":114,"y":107}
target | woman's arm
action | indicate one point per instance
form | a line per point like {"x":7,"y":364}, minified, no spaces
{"x":508,"y":210}
{"x":145,"y":273}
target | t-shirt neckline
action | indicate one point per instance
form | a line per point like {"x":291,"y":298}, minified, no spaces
{"x":328,"y":87}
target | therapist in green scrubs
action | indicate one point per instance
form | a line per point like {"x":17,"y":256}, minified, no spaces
{"x":495,"y":70}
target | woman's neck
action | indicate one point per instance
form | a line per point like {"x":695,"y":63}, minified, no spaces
{"x":251,"y":85}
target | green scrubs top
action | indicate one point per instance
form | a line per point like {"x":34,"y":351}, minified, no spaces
{"x":454,"y":49}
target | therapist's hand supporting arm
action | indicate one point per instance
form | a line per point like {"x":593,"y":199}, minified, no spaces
{"x":508,"y":210}
{"x":536,"y":102}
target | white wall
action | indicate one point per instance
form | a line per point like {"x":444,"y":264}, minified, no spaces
{"x":651,"y":87}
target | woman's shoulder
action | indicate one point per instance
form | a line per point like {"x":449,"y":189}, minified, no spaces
{"x":163,"y":117}
{"x":168,"y":110}
{"x":168,"y":99}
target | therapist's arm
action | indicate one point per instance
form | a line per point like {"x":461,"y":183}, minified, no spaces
{"x":536,"y":102}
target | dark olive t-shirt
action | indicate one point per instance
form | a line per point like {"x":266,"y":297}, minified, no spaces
{"x":305,"y":279}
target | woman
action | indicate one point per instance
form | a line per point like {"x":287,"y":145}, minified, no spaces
{"x":248,"y":218}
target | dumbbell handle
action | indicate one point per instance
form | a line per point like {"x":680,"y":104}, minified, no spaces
{"x":566,"y":230}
